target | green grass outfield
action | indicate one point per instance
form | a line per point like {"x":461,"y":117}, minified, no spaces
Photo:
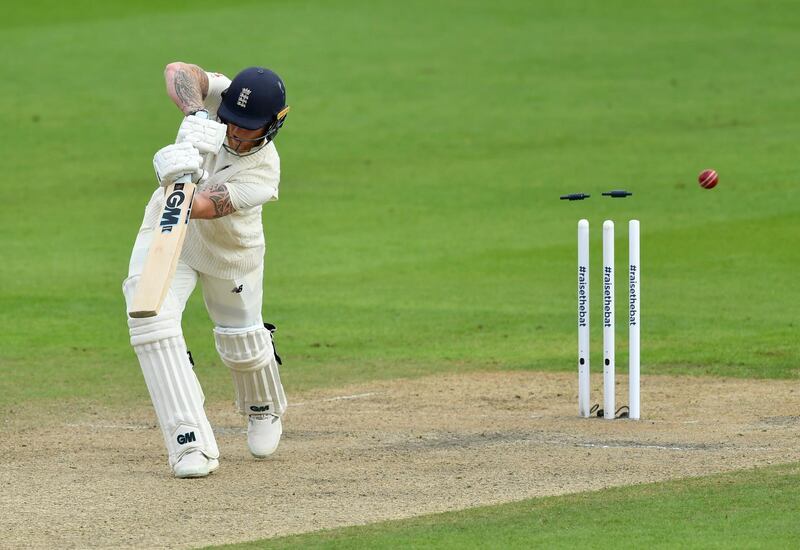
{"x":721,"y":511}
{"x":419,"y":228}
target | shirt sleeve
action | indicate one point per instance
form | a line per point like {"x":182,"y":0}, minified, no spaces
{"x":251,"y":188}
{"x":217,"y":83}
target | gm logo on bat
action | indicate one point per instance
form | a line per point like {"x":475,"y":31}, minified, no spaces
{"x":172,"y":210}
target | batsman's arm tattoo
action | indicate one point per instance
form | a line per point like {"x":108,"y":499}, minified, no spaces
{"x":220,"y":199}
{"x":187,"y":85}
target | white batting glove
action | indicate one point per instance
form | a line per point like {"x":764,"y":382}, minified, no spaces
{"x":177,"y":160}
{"x":206,"y":135}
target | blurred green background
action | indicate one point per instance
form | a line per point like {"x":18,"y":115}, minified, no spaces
{"x":419,"y":227}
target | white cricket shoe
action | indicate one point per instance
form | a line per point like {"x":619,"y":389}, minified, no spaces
{"x":263,"y":434}
{"x":195,"y":464}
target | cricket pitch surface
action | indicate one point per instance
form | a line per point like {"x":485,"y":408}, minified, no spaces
{"x":378,"y":451}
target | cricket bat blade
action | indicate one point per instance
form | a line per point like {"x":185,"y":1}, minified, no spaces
{"x":165,"y":249}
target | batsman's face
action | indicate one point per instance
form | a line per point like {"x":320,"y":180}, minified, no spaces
{"x":242,"y":140}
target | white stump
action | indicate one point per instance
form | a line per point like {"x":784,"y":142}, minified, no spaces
{"x":634,"y":317}
{"x":609,"y":403}
{"x":583,"y":319}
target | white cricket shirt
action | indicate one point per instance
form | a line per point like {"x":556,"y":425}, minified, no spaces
{"x":234,"y":245}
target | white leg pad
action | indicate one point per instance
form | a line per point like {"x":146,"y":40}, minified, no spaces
{"x":173,"y":386}
{"x":249,"y":355}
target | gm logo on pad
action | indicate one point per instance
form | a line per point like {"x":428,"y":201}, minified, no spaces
{"x":183,"y":439}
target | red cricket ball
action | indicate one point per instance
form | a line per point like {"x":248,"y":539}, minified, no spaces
{"x":708,"y":179}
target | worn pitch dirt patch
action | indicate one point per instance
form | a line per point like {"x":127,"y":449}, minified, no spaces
{"x":377,"y":451}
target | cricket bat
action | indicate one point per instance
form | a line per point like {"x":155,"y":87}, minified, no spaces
{"x":165,"y":249}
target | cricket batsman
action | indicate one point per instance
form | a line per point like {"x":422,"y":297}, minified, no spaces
{"x":226,"y":143}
